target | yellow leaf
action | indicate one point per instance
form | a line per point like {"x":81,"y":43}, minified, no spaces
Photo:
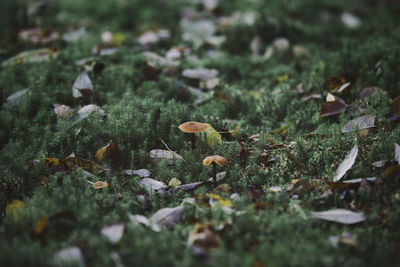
{"x":213,"y":137}
{"x":174,"y":182}
{"x":236,"y":130}
{"x":40,"y":227}
{"x":72,"y":162}
{"x":53,"y":162}
{"x":223,"y":201}
{"x":282,"y":130}
{"x":283,"y":78}
{"x":15,"y":210}
{"x":118,"y":38}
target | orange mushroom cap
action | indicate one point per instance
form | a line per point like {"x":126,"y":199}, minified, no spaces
{"x":192,"y":127}
{"x":100,"y":184}
{"x":215,"y":158}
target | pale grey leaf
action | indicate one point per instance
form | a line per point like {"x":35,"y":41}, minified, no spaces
{"x":151,"y":185}
{"x":160,"y":154}
{"x":113,"y":232}
{"x":363,"y":122}
{"x":397,"y":153}
{"x":141,"y":172}
{"x":69,"y":256}
{"x":339,"y":215}
{"x":346,"y":164}
{"x":168,"y":216}
{"x":82,"y":82}
{"x":16,"y":99}
{"x":189,"y":187}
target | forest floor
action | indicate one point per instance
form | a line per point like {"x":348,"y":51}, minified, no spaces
{"x":300,"y":98}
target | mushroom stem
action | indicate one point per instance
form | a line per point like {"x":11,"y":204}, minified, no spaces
{"x":214,"y":173}
{"x":192,"y":141}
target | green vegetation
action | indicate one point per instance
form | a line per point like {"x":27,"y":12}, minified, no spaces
{"x":145,"y":104}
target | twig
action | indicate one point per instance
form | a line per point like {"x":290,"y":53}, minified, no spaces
{"x":166,"y":145}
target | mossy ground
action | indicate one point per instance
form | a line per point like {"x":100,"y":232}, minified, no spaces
{"x":252,"y":95}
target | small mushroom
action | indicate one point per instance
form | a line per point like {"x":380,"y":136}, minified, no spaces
{"x":192,"y":127}
{"x":99,"y":184}
{"x":214,"y":160}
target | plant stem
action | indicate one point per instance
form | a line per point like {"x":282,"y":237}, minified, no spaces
{"x":214,"y":173}
{"x":192,"y":141}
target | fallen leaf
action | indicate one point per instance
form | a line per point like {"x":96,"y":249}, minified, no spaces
{"x":346,"y":164}
{"x":167,"y":216}
{"x":199,"y":96}
{"x":203,"y":239}
{"x":41,"y":230}
{"x":75,"y":35}
{"x":113,"y":232}
{"x":52,"y":162}
{"x":17,"y":99}
{"x":38,"y":36}
{"x":359,"y":180}
{"x":73,"y":163}
{"x":350,"y":20}
{"x":148,"y":38}
{"x":105,"y":49}
{"x":156,"y":63}
{"x":214,"y":198}
{"x":158,"y":155}
{"x":379,"y":164}
{"x":189,"y":187}
{"x":141,"y":172}
{"x":198,"y":31}
{"x":212,"y":136}
{"x":82,"y":86}
{"x":397,"y":153}
{"x":174,"y":182}
{"x":69,"y":256}
{"x":222,"y":188}
{"x":330,"y":97}
{"x":339,"y":215}
{"x":370,"y":91}
{"x":152,"y":186}
{"x":345,"y":238}
{"x":62,"y":111}
{"x":15,"y":209}
{"x":140,"y":219}
{"x":359,"y":123}
{"x":395,"y":106}
{"x":110,"y":156}
{"x":220,"y":176}
{"x":311,"y":95}
{"x":200,"y":73}
{"x":85,"y":111}
{"x":33,"y":56}
{"x":333,"y":107}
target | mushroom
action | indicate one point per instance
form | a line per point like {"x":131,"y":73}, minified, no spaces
{"x":214,"y":160}
{"x":99,"y":184}
{"x":192,"y":127}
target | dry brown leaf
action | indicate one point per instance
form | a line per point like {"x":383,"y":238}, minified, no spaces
{"x":333,"y":107}
{"x":203,"y":239}
{"x":395,"y":106}
{"x":110,"y":156}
